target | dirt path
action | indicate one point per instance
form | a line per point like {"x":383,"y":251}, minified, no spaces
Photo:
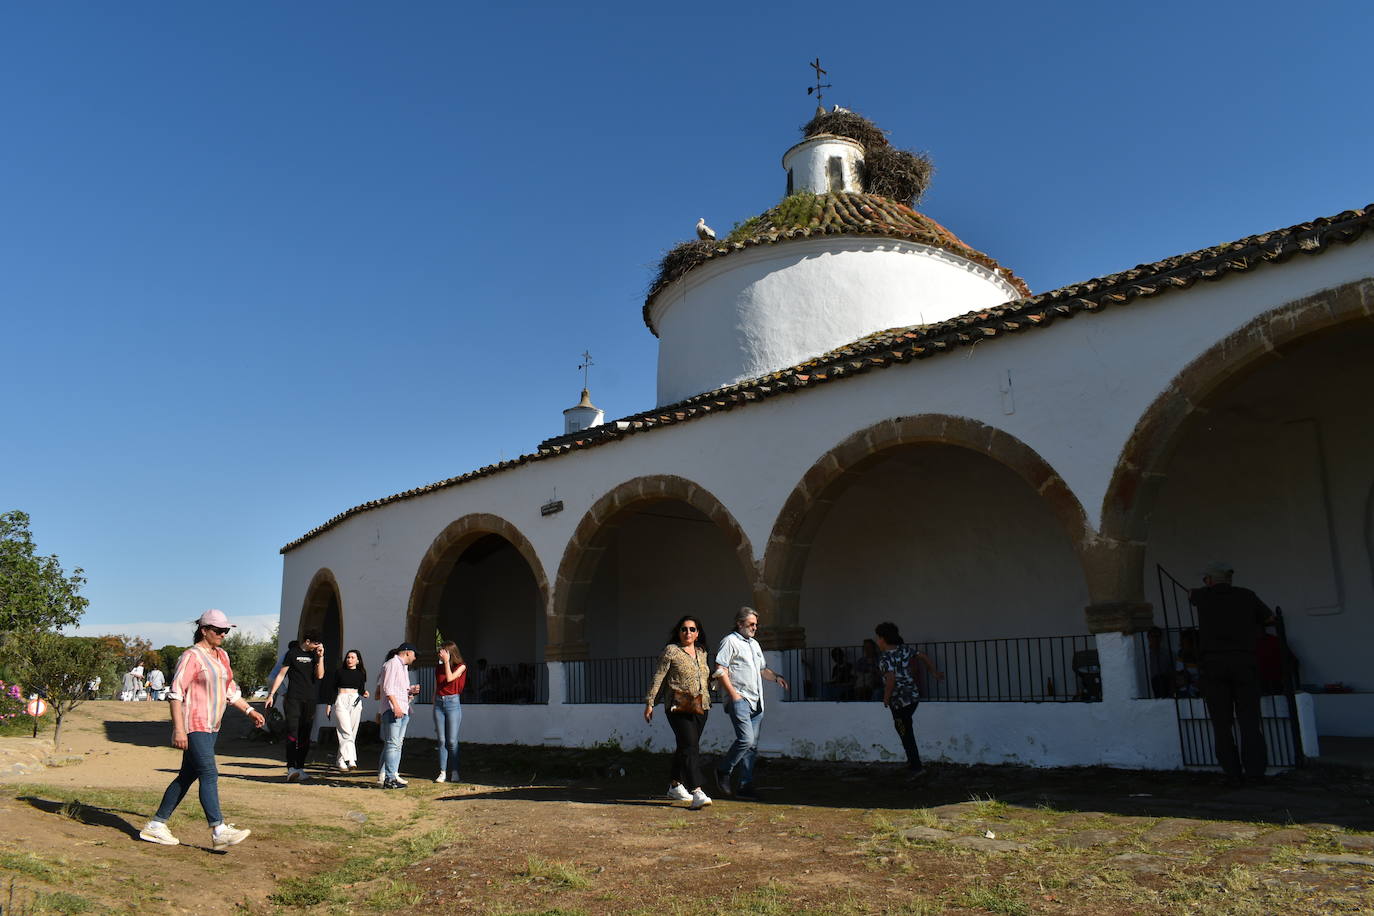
{"x":545,"y":831}
{"x":126,"y":761}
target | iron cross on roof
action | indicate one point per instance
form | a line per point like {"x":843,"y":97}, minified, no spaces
{"x":816,"y":65}
{"x":586,"y":367}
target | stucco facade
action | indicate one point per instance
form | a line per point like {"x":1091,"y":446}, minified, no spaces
{"x":861,"y":419}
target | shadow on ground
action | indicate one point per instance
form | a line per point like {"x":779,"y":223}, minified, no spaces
{"x":87,"y":814}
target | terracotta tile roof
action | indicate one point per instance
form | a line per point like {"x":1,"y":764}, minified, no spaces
{"x":901,"y":345}
{"x":834,"y":213}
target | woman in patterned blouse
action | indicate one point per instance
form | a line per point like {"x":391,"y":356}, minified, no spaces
{"x":900,"y":694}
{"x":201,"y":689}
{"x":684,"y":670}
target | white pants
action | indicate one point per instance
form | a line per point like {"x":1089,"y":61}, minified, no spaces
{"x":348,"y":711}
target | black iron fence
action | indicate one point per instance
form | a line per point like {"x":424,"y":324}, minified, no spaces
{"x":1034,"y":669}
{"x":1173,"y":668}
{"x":508,"y":683}
{"x":609,"y":680}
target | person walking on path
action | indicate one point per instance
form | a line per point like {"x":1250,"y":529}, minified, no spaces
{"x":1230,"y":622}
{"x":349,"y":689}
{"x":303,"y":666}
{"x":202,"y":686}
{"x":394,"y":694}
{"x":450,"y":677}
{"x":686,"y":675}
{"x":741,"y":671}
{"x":900,"y":694}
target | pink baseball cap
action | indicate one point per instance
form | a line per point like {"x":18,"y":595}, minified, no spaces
{"x":215,"y":619}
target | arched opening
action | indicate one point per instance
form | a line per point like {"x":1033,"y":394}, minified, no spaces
{"x":480,"y":585}
{"x":946,"y":543}
{"x":1270,"y":471}
{"x":955,"y":531}
{"x":648,"y":552}
{"x":323,"y":613}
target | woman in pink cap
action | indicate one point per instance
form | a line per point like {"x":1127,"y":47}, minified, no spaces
{"x":202,"y":686}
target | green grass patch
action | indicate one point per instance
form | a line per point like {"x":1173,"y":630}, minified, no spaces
{"x":62,"y":902}
{"x":556,"y":874}
{"x":994,"y":898}
{"x":394,"y":895}
{"x":306,"y":892}
{"x":24,"y":863}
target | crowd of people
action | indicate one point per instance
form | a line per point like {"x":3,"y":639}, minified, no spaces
{"x":687,"y":674}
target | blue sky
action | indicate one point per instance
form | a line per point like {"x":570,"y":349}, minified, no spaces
{"x":262,"y":262}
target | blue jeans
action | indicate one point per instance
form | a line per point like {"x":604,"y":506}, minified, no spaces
{"x":393,"y":737}
{"x":745,"y":749}
{"x":448,"y":715}
{"x":197,"y":763}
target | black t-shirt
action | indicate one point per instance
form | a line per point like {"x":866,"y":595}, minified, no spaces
{"x":1229,"y":619}
{"x":301,"y":683}
{"x":347,"y":677}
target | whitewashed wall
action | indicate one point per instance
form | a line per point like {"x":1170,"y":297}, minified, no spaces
{"x":774,"y":306}
{"x":1078,"y":390}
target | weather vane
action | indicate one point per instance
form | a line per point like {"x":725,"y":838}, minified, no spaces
{"x":816,"y":65}
{"x":586,"y":367}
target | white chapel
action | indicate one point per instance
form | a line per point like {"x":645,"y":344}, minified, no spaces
{"x":860,"y":418}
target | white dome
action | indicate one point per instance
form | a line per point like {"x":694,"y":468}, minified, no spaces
{"x":772,"y":306}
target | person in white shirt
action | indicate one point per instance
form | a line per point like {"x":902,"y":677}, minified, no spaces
{"x":741,"y":669}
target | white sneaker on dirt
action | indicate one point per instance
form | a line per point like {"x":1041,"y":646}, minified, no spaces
{"x":343,"y":768}
{"x":381,"y":778}
{"x":442,"y":777}
{"x":292,"y":774}
{"x":699,"y":800}
{"x":157,"y":832}
{"x":226,"y":835}
{"x":399,"y":781}
{"x":678,"y":792}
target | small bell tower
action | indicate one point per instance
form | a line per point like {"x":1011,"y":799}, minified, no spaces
{"x":584,"y":413}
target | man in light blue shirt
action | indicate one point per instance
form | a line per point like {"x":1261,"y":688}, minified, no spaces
{"x":741,"y":669}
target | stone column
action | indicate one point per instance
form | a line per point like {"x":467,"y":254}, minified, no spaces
{"x":556,"y":715}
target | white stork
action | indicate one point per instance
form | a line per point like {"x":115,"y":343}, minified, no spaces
{"x":705,"y":232}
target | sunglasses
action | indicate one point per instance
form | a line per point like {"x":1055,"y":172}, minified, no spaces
{"x":686,"y":629}
{"x":223,"y":631}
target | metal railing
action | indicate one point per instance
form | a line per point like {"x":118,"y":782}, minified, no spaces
{"x":609,"y":680}
{"x":508,"y":683}
{"x":1030,"y":669}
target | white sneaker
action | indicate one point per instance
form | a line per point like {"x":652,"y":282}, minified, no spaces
{"x":292,"y":773}
{"x":343,"y":768}
{"x":678,"y":792}
{"x":699,"y":800}
{"x":399,"y":781}
{"x":157,"y":832}
{"x":226,"y":835}
{"x":381,"y":778}
{"x":442,"y":777}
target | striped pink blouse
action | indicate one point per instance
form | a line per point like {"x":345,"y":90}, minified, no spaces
{"x":204,"y":683}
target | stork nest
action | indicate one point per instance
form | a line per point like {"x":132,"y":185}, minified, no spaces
{"x":681,"y":258}
{"x":896,"y":174}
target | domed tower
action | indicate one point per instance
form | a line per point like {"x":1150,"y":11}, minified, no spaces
{"x":842,"y":256}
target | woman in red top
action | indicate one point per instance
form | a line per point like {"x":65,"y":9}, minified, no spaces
{"x":449,"y":680}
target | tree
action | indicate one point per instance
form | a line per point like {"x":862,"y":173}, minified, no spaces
{"x":127,"y":651}
{"x":170,"y":655}
{"x":35,"y":593}
{"x":55,"y":666}
{"x":252,"y":660}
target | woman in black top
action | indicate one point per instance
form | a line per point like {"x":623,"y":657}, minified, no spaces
{"x":349,"y":689}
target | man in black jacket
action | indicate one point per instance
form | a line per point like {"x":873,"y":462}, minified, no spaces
{"x":1230,"y":623}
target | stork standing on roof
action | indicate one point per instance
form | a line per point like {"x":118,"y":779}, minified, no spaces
{"x":705,"y":232}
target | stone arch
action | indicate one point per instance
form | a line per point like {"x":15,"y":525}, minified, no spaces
{"x":422,"y":610}
{"x":322,"y":612}
{"x":806,"y":508}
{"x":1141,"y":469}
{"x":567,"y":635}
